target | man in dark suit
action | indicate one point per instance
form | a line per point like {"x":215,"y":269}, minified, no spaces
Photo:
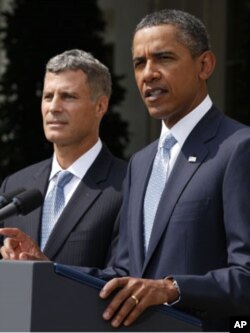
{"x":196,"y":253}
{"x":76,"y":94}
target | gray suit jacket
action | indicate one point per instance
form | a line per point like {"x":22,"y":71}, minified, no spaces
{"x":85,"y":229}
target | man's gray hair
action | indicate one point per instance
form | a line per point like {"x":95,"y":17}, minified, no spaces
{"x":192,"y":33}
{"x":98,"y":74}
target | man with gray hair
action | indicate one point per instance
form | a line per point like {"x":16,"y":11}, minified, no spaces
{"x":82,"y":182}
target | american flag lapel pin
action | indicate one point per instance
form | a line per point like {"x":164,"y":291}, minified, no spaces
{"x":192,"y":159}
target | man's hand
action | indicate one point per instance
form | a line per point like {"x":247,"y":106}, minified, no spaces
{"x":135,"y":295}
{"x":19,"y":246}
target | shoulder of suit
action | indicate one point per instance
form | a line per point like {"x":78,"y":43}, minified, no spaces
{"x":31,"y":169}
{"x":118,"y":162}
{"x":148,"y":150}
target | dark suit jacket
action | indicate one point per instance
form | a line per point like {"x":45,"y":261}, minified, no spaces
{"x":201,"y":235}
{"x":84,"y":231}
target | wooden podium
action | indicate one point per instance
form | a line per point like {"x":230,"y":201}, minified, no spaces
{"x":46,"y":297}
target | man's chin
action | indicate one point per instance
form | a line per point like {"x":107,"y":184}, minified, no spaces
{"x":55,"y":139}
{"x":157,"y":114}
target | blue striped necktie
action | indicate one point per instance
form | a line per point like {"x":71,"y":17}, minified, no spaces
{"x":54,"y":205}
{"x":156,"y":185}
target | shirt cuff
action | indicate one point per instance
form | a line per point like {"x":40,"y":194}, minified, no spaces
{"x":175,"y":284}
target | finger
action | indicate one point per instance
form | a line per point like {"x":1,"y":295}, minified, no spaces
{"x":25,"y":242}
{"x":8,"y":254}
{"x":111,"y":286}
{"x":11,"y":244}
{"x":113,"y":306}
{"x":135,"y":313}
{"x":122,"y":301}
{"x":11,"y":232}
{"x":129,"y":306}
{"x":11,"y":249}
{"x":27,"y":256}
{"x":3,"y":253}
{"x":151,"y":292}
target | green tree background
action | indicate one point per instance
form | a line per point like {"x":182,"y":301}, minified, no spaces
{"x":35,"y":31}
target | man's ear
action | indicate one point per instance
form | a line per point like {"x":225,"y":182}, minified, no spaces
{"x":207,"y":64}
{"x":102,"y":104}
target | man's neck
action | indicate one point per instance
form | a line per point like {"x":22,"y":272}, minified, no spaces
{"x":67,"y":155}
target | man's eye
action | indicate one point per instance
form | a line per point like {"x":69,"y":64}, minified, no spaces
{"x":165,"y":56}
{"x":138,"y":63}
{"x":68,"y":96}
{"x":47,"y":97}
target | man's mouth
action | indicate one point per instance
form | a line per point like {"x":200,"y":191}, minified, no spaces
{"x":154,"y":93}
{"x":56,"y":123}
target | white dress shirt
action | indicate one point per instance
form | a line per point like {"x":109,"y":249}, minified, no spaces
{"x":79,"y":168}
{"x":184,"y":127}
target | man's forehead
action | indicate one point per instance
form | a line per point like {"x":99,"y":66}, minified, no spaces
{"x":67,"y":81}
{"x":170,"y":28}
{"x":65,"y":72}
{"x":65,"y":75}
{"x":157,"y":38}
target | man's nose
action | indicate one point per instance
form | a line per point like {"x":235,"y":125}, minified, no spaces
{"x":151,"y":72}
{"x":55,"y":104}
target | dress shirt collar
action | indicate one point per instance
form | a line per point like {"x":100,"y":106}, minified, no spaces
{"x":81,"y":165}
{"x":184,"y":127}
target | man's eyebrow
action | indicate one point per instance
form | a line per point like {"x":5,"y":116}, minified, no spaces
{"x":134,"y":59}
{"x":163,"y":53}
{"x":155,"y":54}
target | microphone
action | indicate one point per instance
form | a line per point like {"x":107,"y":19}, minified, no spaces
{"x":22,"y":204}
{"x":6,"y":198}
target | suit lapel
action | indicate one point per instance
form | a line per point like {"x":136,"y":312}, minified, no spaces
{"x":86,"y":193}
{"x":185,"y":168}
{"x":142,"y":173}
{"x":39,"y":181}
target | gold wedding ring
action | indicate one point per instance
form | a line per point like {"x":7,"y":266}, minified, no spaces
{"x":135,"y":299}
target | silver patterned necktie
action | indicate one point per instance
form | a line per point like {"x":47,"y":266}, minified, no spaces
{"x":156,"y":184}
{"x":53,"y":205}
